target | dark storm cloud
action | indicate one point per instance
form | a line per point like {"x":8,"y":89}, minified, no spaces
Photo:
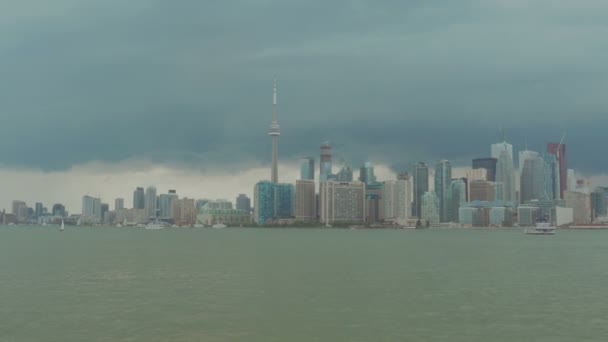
{"x":389,"y":81}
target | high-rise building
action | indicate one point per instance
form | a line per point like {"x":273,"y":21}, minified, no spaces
{"x":420,"y":174}
{"x":480,"y":190}
{"x":599,"y":202}
{"x":200,"y":203}
{"x":552,"y":181}
{"x":305,"y":201}
{"x":559,"y":150}
{"x":185,"y":212}
{"x":532,"y":179}
{"x":374,"y":202}
{"x":488,"y":164}
{"x":506,"y":176}
{"x":150,"y":202}
{"x":243,"y":203}
{"x":457,"y":198}
{"x":139,"y":201}
{"x":581,"y":205}
{"x":274,"y":133}
{"x":397,"y":204}
{"x":430,"y":208}
{"x":105,"y":208}
{"x":325,"y":163}
{"x":345,"y":174}
{"x":523,"y":156}
{"x":366,"y":173}
{"x":342,"y":202}
{"x":166,"y":205}
{"x":119,"y":203}
{"x":307,"y":168}
{"x":443,"y":180}
{"x":39,"y":209}
{"x":20,"y":211}
{"x":571,"y":180}
{"x":272,"y":201}
{"x":284,"y":199}
{"x":58,"y":210}
{"x":497,"y":149}
{"x":91,"y":210}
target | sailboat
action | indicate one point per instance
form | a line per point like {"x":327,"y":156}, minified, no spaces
{"x":62,"y":226}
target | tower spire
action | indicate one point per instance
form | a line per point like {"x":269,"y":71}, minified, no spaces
{"x":274,"y":132}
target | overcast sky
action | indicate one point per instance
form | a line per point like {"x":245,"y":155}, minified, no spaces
{"x":187,"y":84}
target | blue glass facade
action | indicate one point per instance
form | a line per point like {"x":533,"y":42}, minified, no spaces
{"x":264,"y":197}
{"x":284,"y":200}
{"x":307,"y":168}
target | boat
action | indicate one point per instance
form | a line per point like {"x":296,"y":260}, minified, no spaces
{"x":62,"y":228}
{"x":198,"y":225}
{"x":542,"y":227}
{"x":155,"y":225}
{"x":219,"y":226}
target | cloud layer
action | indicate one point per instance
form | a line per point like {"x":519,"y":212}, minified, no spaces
{"x":189,"y":82}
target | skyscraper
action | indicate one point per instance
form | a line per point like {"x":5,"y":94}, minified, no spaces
{"x":325,"y":163}
{"x":166,"y":205}
{"x":139,"y":201}
{"x":264,"y":202}
{"x":443,"y":179}
{"x":489,"y":164}
{"x":243,"y":203}
{"x":420,"y":173}
{"x":284,"y":199}
{"x":91,"y":210}
{"x":275,"y":132}
{"x":532,"y":179}
{"x":38,"y":209}
{"x":559,"y":150}
{"x":119,"y":203}
{"x":397,"y":204}
{"x":496,"y":149}
{"x":305,"y":201}
{"x":342,"y":202}
{"x":523,"y":155}
{"x":366,"y":173}
{"x":481,"y":190}
{"x":345,"y":174}
{"x":430,"y":207}
{"x":506,"y":176}
{"x":457,"y":198}
{"x":552,"y":183}
{"x":150,"y":202}
{"x":58,"y":210}
{"x":307,"y":168}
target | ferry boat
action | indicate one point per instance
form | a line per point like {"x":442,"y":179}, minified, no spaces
{"x":219,"y":226}
{"x":542,"y":227}
{"x":155,"y":225}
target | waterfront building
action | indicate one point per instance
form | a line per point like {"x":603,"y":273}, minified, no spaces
{"x":430,"y":208}
{"x":91,"y":210}
{"x":397,"y":203}
{"x":342,"y":202}
{"x":150,"y":202}
{"x":139,"y":201}
{"x":119,"y":203}
{"x":345,"y":174}
{"x":581,"y":205}
{"x":200,"y":203}
{"x":559,"y":150}
{"x":456,"y":199}
{"x":374,"y":202}
{"x":505,"y":175}
{"x":488,"y":164}
{"x":38,"y":209}
{"x":185,"y":212}
{"x":131,"y":217}
{"x":599,"y":202}
{"x":501,"y":217}
{"x":305,"y":200}
{"x":420,"y":174}
{"x":20,"y":211}
{"x":527,"y":215}
{"x":466,"y":216}
{"x":307,"y":168}
{"x":219,"y":204}
{"x":58,"y":210}
{"x":532,"y":178}
{"x":272,"y":201}
{"x":443,"y":180}
{"x":482,"y":191}
{"x":243,"y":202}
{"x":105,"y":208}
{"x":166,"y":206}
{"x":325,"y":163}
{"x":210,"y":215}
{"x":366,"y":173}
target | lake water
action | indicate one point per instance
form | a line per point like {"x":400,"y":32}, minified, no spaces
{"x":119,"y":284}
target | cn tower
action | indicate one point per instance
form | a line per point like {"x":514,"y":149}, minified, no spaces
{"x":275,"y":132}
